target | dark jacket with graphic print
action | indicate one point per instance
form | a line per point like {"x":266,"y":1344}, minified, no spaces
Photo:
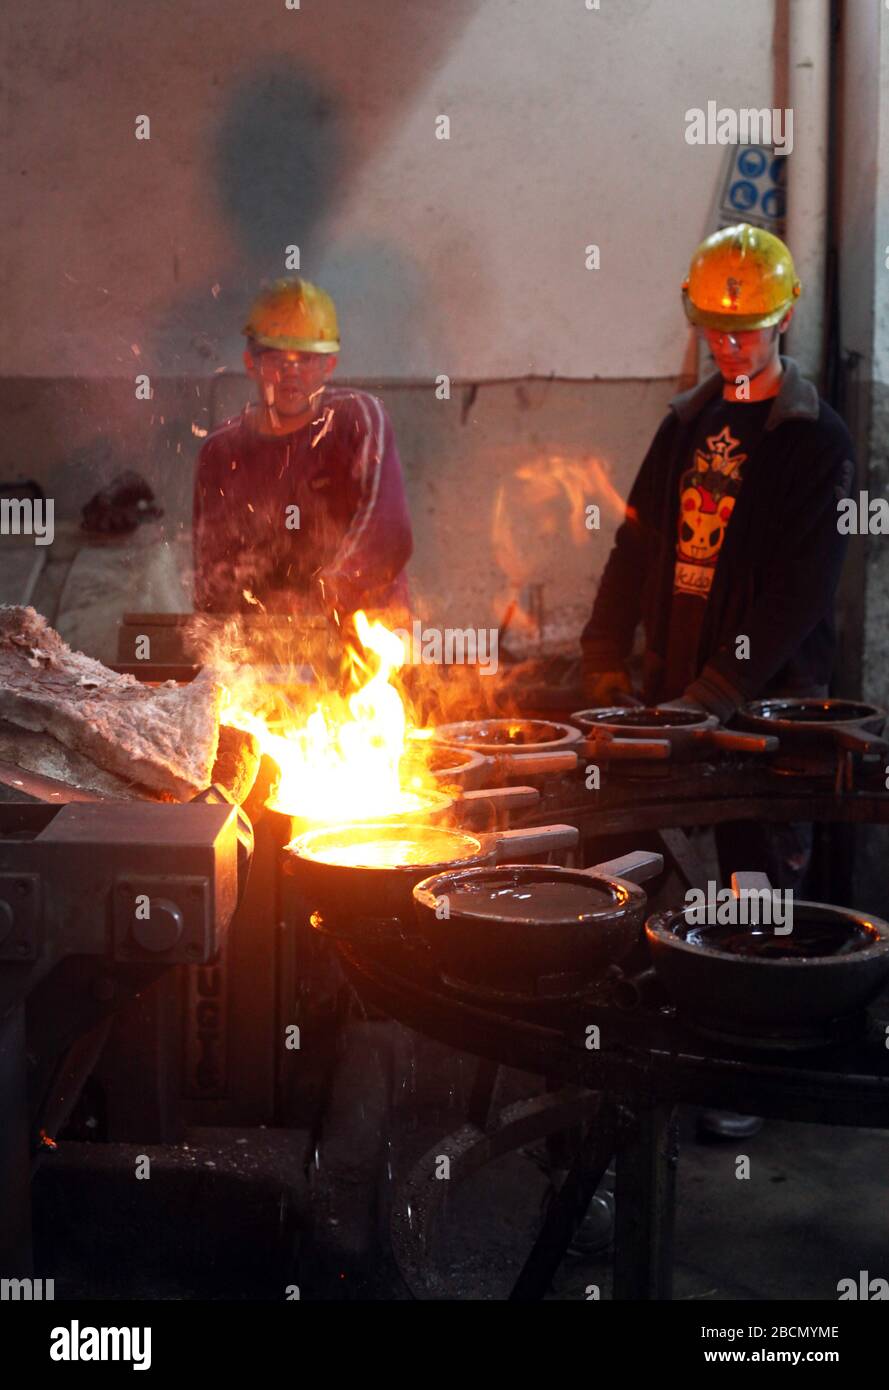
{"x":778,"y":569}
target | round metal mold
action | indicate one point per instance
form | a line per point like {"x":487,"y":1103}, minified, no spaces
{"x":768,"y":999}
{"x":497,"y":735}
{"x":496,"y":940}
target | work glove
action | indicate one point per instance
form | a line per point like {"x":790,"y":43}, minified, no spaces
{"x":712,"y":695}
{"x":606,"y":688}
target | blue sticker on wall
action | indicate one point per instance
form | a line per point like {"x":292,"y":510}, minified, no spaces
{"x":778,"y":171}
{"x":743,"y":195}
{"x":752,"y":161}
{"x":774,"y":203}
{"x":754,"y":187}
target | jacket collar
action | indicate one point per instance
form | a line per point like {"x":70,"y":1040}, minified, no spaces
{"x":796,"y":400}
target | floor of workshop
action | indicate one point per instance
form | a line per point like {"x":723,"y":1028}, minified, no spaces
{"x":812,"y":1212}
{"x":237,"y":1214}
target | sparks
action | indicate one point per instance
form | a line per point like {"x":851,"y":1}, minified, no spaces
{"x":327,"y":419}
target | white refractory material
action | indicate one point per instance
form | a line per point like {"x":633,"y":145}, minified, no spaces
{"x":163,"y":737}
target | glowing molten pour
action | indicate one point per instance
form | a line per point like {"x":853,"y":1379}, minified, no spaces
{"x":377,"y":847}
{"x":342,"y":762}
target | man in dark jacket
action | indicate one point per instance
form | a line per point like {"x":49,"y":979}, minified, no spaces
{"x":730,"y":554}
{"x":299,"y":502}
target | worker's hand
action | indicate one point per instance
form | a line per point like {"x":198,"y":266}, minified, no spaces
{"x":683,"y":702}
{"x":608,"y":688}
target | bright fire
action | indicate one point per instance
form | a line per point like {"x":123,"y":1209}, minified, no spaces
{"x":344,"y":758}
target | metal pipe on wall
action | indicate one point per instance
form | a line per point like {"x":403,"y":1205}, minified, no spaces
{"x":808,"y":96}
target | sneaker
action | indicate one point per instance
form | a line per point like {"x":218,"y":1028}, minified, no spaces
{"x":727,"y":1124}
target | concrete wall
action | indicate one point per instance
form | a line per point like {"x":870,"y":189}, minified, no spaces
{"x":876,"y":663}
{"x":316,"y":127}
{"x":863,"y":226}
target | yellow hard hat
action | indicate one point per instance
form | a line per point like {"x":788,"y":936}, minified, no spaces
{"x":294,"y":316}
{"x":740,"y":277}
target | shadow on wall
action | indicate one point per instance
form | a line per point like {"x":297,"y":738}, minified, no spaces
{"x":274,"y":169}
{"x":280,"y":160}
{"x":273,"y":166}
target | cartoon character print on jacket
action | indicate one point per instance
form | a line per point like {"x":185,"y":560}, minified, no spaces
{"x":707,"y":493}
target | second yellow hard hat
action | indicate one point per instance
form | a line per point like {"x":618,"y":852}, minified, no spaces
{"x":740,"y":277}
{"x":294,"y":315}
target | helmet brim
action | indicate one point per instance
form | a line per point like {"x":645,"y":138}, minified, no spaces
{"x":294,"y":344}
{"x":725,"y":323}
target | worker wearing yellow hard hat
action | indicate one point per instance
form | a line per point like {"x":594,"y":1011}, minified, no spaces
{"x":740,"y":292}
{"x":730,"y":553}
{"x":299,"y":500}
{"x":293,"y":338}
{"x":740,"y":278}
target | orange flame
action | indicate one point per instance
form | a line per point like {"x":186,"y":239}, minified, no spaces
{"x":541,"y":502}
{"x":539,"y":492}
{"x":346,"y":759}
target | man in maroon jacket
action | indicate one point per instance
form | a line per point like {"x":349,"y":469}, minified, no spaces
{"x":299,"y":501}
